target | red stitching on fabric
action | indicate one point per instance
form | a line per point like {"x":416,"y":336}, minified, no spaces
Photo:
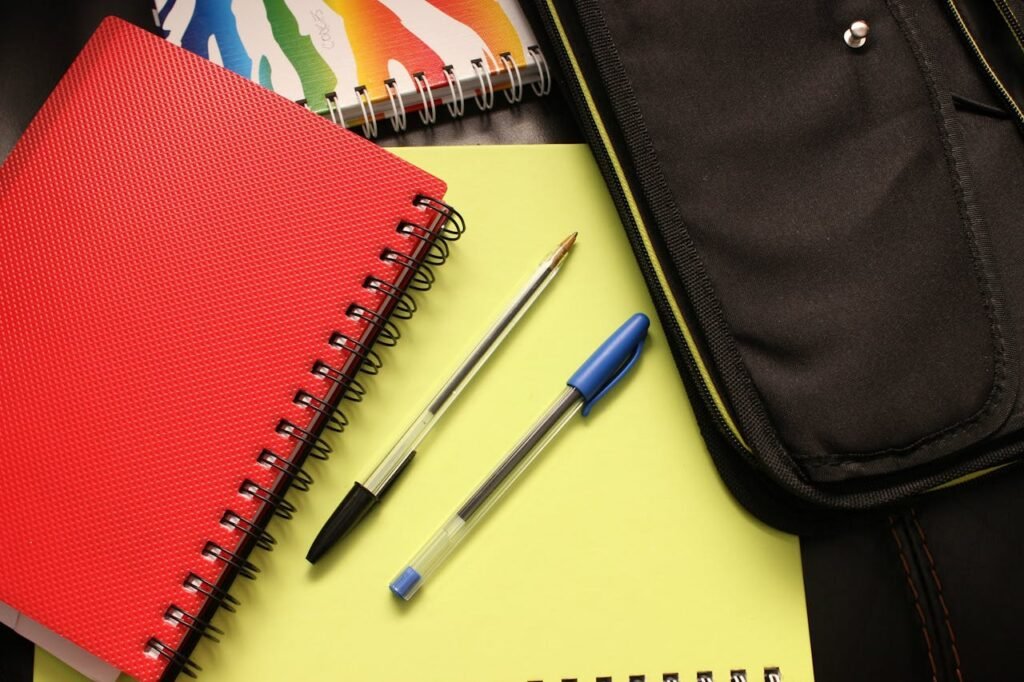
{"x":942,"y":600}
{"x":917,"y":600}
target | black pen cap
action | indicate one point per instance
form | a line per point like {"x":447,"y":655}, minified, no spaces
{"x":353,"y":508}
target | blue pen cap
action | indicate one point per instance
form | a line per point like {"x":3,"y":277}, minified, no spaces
{"x":609,"y":363}
{"x":406,"y":584}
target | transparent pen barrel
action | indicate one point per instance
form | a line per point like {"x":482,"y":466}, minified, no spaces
{"x":490,"y":341}
{"x":440,"y":546}
{"x":426,"y":562}
{"x":399,"y":453}
{"x":520,"y":457}
{"x":458,"y":380}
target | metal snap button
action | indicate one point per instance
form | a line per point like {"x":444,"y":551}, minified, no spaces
{"x":857,"y":35}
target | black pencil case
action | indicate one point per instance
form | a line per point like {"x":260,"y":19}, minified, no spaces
{"x":830,"y":227}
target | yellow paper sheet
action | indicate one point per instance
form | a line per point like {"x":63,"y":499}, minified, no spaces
{"x":619,"y":553}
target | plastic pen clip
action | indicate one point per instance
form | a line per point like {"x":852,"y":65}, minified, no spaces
{"x":611,"y":361}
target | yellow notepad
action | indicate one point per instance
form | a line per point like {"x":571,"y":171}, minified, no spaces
{"x":619,"y":554}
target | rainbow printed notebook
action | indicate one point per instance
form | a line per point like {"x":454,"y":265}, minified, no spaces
{"x":361,"y":61}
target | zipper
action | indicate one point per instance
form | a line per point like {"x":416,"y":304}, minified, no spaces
{"x":1015,"y":27}
{"x":639,"y":234}
{"x":1011,"y":21}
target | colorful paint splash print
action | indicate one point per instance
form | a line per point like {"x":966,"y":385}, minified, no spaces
{"x":314,"y":73}
{"x":378,"y":36}
{"x":304,"y":49}
{"x":488,"y":19}
{"x":214,"y":18}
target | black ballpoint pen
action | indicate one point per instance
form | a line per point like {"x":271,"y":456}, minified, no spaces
{"x":363,"y":496}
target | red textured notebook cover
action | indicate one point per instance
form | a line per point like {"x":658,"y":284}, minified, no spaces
{"x":177,"y":245}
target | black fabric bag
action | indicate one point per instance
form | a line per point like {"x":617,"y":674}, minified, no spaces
{"x":831,"y":233}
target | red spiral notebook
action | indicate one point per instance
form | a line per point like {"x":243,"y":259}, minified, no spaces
{"x":192,"y":269}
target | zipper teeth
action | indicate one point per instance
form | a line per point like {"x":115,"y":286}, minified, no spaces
{"x":595,"y":132}
{"x":984,"y":62}
{"x":1011,"y":20}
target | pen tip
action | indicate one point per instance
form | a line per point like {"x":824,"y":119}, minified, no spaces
{"x":563,"y":249}
{"x":315,"y":552}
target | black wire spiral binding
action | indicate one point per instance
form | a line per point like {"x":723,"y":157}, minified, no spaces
{"x":181,"y":662}
{"x":438,"y":250}
{"x":260,"y":536}
{"x":280,"y":506}
{"x":335,"y":420}
{"x":422,"y":275}
{"x":214,"y":594}
{"x":387,"y":331}
{"x":430,"y":247}
{"x":404,"y":304}
{"x":301,"y":480}
{"x":321,"y":449}
{"x":771,"y":674}
{"x":203,"y":628}
{"x":354,"y":389}
{"x":369,"y":359}
{"x":454,"y":224}
{"x":243,"y":567}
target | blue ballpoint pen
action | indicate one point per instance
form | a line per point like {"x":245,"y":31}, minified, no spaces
{"x":590,"y":383}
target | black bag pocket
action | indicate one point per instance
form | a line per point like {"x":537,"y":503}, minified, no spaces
{"x":808,"y":208}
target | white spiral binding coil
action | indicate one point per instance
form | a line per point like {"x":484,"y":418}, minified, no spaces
{"x":398,"y":120}
{"x":457,"y":107}
{"x":333,"y":110}
{"x":485,"y":97}
{"x":369,"y":115}
{"x":451,"y":92}
{"x":428,"y":114}
{"x":543,"y":85}
{"x":514,"y":93}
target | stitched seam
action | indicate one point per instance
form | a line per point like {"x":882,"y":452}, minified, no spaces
{"x":968,"y":224}
{"x":942,"y":600}
{"x":996,"y":336}
{"x":917,"y":599}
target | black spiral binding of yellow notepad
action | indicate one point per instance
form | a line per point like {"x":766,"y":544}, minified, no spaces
{"x":771,"y":674}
